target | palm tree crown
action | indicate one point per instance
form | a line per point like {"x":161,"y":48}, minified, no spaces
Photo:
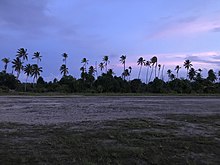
{"x":187,"y":64}
{"x":141,"y":62}
{"x":17,"y":65}
{"x":65,"y":55}
{"x":22,"y":53}
{"x":106,"y":62}
{"x":36,"y":71}
{"x":122,"y":59}
{"x":6,"y":61}
{"x":64,"y":70}
{"x":37,"y":56}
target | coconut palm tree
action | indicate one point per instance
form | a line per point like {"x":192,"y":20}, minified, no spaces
{"x":106,"y":62}
{"x":36,"y":71}
{"x":211,"y":75}
{"x":130,"y":69}
{"x":177,"y":68}
{"x":169,"y":72}
{"x":22,"y":53}
{"x":126,"y":73}
{"x":187,"y":64}
{"x":141,"y":62}
{"x":162,"y":72}
{"x":37,"y":56}
{"x":5,"y":61}
{"x":192,"y":73}
{"x":64,"y":70}
{"x":91,"y":70}
{"x":101,"y":66}
{"x":85,"y":62}
{"x":65,"y":55}
{"x":147,"y":64}
{"x":28,"y":69}
{"x":153,"y":61}
{"x":122,"y":60}
{"x":159,"y":67}
{"x":17,"y":65}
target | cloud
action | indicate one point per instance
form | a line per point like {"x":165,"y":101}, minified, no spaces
{"x":29,"y":17}
{"x":187,"y":26}
{"x":216,"y":29}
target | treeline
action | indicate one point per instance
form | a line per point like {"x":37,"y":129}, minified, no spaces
{"x":91,"y":82}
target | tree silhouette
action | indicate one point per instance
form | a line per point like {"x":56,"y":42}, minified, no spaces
{"x":28,"y":69}
{"x":85,"y":62}
{"x":159,"y":67}
{"x":65,"y":55}
{"x":187,"y":64}
{"x":169,"y":72}
{"x":36,"y":71}
{"x":177,"y":68}
{"x":140,"y":62}
{"x":130,"y":69}
{"x":106,"y":62}
{"x":22,"y":53}
{"x":64,"y":70}
{"x":147,"y":64}
{"x":5,"y":61}
{"x":153,"y":61}
{"x":211,"y":76}
{"x":37,"y":56}
{"x":122,"y":60}
{"x":192,"y":74}
{"x":17,"y":65}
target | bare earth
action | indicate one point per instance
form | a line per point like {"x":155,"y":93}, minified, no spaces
{"x":110,"y":130}
{"x":55,"y":110}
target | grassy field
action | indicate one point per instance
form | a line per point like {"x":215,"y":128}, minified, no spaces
{"x":165,"y":138}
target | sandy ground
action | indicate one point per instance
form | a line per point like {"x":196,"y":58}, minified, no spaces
{"x":56,"y":110}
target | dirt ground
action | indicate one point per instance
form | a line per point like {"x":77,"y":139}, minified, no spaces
{"x":110,"y":130}
{"x":54,"y":110}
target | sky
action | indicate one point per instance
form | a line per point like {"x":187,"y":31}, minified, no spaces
{"x":169,"y":29}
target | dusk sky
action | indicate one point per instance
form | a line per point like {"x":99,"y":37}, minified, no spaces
{"x":172,"y":30}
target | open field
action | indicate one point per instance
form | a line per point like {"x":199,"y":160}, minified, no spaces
{"x":110,"y":130}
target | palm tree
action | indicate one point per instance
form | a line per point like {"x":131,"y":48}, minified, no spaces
{"x":130,"y":69}
{"x":37,"y":56}
{"x":91,"y":70}
{"x":219,"y":75}
{"x":177,"y":70}
{"x":28,"y":69}
{"x":5,"y":61}
{"x":187,"y":64}
{"x":162,"y":72}
{"x":101,"y":66}
{"x":147,"y":64}
{"x":106,"y":62}
{"x":211,"y":76}
{"x":36,"y":71}
{"x":192,"y":74}
{"x":159,"y":67}
{"x":126,"y":73}
{"x":141,"y":62}
{"x":64,"y":70}
{"x":85,"y":62}
{"x":65,"y":55}
{"x":122,"y":59}
{"x":17,"y":65}
{"x":169,"y":72}
{"x":22,"y":53}
{"x":153,"y":61}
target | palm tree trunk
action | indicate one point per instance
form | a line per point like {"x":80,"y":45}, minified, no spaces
{"x":147,"y":74}
{"x":151,"y":73}
{"x":162,"y":73}
{"x":139,"y":72}
{"x":155,"y":71}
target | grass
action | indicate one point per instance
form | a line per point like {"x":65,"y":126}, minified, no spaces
{"x":131,"y":141}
